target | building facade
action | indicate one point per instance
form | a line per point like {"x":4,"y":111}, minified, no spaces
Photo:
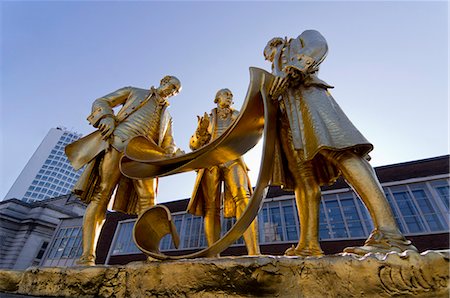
{"x":26,"y":229}
{"x":418,"y":192}
{"x":48,"y":173}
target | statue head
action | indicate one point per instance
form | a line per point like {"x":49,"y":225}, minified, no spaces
{"x":224,"y":98}
{"x":169,"y":86}
{"x":271,"y":48}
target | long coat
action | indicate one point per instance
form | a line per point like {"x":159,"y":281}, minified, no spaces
{"x":314,"y":119}
{"x":89,"y":150}
{"x":196,"y":203}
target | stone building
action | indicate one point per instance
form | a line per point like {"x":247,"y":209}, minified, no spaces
{"x":26,"y":229}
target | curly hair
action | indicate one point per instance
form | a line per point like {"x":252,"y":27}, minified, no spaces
{"x":172,"y":80}
{"x":273,"y":43}
{"x":216,"y":99}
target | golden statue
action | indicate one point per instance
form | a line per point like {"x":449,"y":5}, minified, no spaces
{"x":144,"y":112}
{"x":206,"y":197}
{"x":308,"y":142}
{"x":317,"y":143}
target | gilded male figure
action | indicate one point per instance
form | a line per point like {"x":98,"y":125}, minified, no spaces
{"x":143,"y":112}
{"x":206,"y":197}
{"x":317,"y":143}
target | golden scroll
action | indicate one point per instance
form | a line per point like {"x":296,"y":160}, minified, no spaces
{"x":143,"y":159}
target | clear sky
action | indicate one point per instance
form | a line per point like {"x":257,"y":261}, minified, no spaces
{"x":388,"y":62}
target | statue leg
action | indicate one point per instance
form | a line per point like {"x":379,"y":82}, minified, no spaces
{"x":386,"y":235}
{"x":211,"y":192}
{"x":95,"y":214}
{"x":145,"y":189}
{"x":236,"y":182}
{"x":307,"y":196}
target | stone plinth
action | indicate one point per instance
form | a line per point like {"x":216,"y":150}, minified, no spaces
{"x":344,"y":275}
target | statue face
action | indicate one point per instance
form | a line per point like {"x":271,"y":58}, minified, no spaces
{"x":168,"y":89}
{"x":224,"y":99}
{"x":269,"y":53}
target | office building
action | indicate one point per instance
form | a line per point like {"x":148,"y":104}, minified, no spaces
{"x":418,"y":192}
{"x":48,"y":173}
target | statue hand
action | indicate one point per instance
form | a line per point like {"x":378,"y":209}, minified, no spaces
{"x":107,"y":126}
{"x":278,"y":86}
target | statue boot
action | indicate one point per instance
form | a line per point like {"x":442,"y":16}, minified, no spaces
{"x":380,"y":241}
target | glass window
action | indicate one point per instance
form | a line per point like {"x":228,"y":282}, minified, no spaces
{"x":443,"y":192}
{"x":408,"y":209}
{"x":42,"y":250}
{"x":351,"y":217}
{"x":270,"y":225}
{"x":442,"y":189}
{"x":290,"y":219}
{"x":433,"y":218}
{"x":124,"y":243}
{"x":324,"y":231}
{"x":194,"y":240}
{"x":335,"y":219}
{"x":186,"y":230}
{"x":67,"y":244}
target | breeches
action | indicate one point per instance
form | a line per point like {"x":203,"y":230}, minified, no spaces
{"x":109,"y":175}
{"x":236,"y":183}
{"x":298,"y":166}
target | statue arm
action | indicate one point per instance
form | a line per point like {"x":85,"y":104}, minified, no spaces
{"x":103,"y":106}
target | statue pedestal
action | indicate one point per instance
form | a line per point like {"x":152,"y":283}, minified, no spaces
{"x":343,"y":275}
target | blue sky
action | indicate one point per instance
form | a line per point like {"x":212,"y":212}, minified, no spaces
{"x":388,"y":62}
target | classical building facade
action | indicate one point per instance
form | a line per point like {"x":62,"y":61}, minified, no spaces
{"x":48,"y":173}
{"x":26,"y":229}
{"x":418,"y":192}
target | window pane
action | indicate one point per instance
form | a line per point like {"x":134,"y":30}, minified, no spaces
{"x":410,"y":213}
{"x":124,"y":240}
{"x":443,"y":192}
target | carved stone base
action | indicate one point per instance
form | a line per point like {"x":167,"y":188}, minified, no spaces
{"x":343,"y":275}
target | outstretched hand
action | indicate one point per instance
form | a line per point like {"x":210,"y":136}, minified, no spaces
{"x":107,"y":126}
